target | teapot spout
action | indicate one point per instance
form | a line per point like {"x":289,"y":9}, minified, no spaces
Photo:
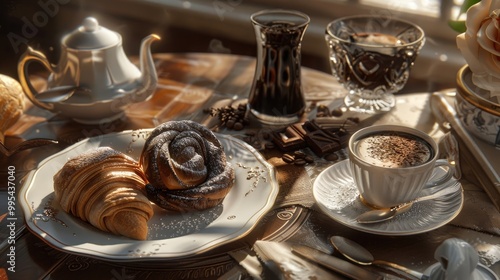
{"x":149,"y":78}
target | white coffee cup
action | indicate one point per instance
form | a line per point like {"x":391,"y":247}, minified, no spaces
{"x":392,"y":164}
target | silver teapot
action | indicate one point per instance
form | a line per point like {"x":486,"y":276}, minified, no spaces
{"x":94,"y":81}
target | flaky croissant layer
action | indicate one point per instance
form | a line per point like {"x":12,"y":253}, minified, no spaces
{"x":105,"y":188}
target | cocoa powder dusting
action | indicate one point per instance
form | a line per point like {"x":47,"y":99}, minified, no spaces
{"x":397,"y":149}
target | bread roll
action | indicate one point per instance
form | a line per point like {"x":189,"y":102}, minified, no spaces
{"x":11,"y":103}
{"x":105,"y":188}
{"x":186,"y":167}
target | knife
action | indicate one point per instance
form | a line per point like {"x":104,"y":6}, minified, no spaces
{"x":338,"y":265}
{"x":280,"y":263}
{"x":249,"y":262}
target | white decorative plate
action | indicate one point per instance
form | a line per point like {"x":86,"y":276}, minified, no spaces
{"x":337,"y":196}
{"x":170,"y":235}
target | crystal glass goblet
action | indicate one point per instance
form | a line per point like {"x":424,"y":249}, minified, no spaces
{"x":372,"y":56}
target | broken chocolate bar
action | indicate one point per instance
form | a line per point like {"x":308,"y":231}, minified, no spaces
{"x":322,"y":135}
{"x":325,"y":140}
{"x":322,"y":143}
{"x":289,"y":139}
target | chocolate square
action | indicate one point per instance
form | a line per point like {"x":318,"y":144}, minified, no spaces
{"x":289,"y":139}
{"x":321,"y":143}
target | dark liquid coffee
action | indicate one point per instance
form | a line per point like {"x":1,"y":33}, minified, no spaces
{"x":276,"y":89}
{"x":373,"y":61}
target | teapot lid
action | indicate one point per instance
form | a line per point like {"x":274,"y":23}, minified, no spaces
{"x":91,"y":36}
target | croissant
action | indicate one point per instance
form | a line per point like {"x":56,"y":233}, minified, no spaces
{"x":105,"y":188}
{"x":186,"y":167}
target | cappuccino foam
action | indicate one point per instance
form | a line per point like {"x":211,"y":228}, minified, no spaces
{"x":393,"y":150}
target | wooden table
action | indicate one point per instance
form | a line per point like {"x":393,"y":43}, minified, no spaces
{"x":188,"y":83}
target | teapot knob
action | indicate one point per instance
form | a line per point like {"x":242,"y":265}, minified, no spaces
{"x":90,"y":24}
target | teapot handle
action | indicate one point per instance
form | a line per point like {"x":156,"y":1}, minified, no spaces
{"x":22,"y":68}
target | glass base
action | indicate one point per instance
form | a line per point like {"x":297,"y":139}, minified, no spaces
{"x":275,"y":120}
{"x":382,"y":104}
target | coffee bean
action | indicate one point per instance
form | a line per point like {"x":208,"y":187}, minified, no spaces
{"x":322,"y":111}
{"x":230,"y":117}
{"x":238,"y":126}
{"x":269,"y":145}
{"x":242,"y":107}
{"x":230,"y":123}
{"x":299,"y":162}
{"x":299,"y":154}
{"x":332,"y":157}
{"x":337,"y":112}
{"x":288,"y":158}
{"x":309,"y":159}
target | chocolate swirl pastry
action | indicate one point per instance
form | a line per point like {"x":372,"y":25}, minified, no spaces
{"x":186,"y":167}
{"x":105,"y":188}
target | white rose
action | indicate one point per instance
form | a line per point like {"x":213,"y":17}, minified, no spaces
{"x":480,"y":44}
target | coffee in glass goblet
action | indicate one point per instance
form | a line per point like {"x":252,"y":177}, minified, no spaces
{"x":372,"y":56}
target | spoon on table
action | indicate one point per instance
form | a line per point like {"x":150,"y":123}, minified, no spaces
{"x":358,"y":254}
{"x":380,"y":215}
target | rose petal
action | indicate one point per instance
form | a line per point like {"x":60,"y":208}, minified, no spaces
{"x":496,"y":24}
{"x":489,"y":63}
{"x":490,"y":30}
{"x":476,"y":14}
{"x":469,"y":49}
{"x":487,"y":38}
{"x":496,"y":61}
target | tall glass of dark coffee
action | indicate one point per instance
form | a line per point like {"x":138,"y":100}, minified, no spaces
{"x":276,"y":97}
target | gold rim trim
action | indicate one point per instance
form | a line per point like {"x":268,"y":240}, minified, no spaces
{"x":469,"y":96}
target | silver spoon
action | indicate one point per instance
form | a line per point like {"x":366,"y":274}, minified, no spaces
{"x":380,"y":215}
{"x":358,"y":254}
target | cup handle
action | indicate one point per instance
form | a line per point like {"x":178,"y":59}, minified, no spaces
{"x":22,"y":69}
{"x":443,"y":179}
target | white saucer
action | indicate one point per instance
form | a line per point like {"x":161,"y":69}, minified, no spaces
{"x":337,"y":196}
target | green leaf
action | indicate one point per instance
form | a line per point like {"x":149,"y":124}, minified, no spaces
{"x":467,"y":4}
{"x":457,"y":25}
